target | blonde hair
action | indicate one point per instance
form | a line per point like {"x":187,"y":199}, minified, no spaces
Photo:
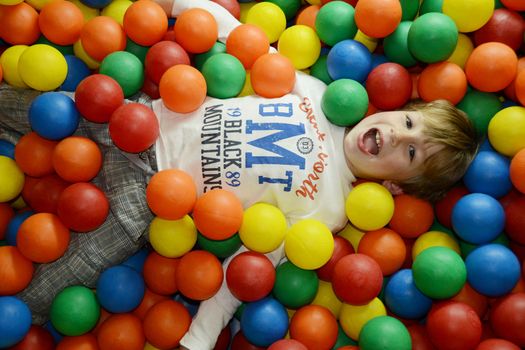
{"x":451,"y":128}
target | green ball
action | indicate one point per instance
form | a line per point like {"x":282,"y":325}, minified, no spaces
{"x":320,"y":70}
{"x":439,"y":272}
{"x":396,"y":46}
{"x":480,"y":108}
{"x":437,"y":226}
{"x":136,"y":49}
{"x":199,"y":59}
{"x":385,"y":333}
{"x":344,"y":102}
{"x":224,"y":74}
{"x":342,"y":339}
{"x":64,"y":49}
{"x":126,"y":69}
{"x":498,"y":4}
{"x":289,"y":7}
{"x":335,"y":22}
{"x":409,"y":9}
{"x":294,"y":287}
{"x":75,"y":311}
{"x":428,"y":6}
{"x":221,"y":249}
{"x":432,"y":37}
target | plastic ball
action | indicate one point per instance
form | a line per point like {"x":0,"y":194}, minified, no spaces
{"x":389,"y":86}
{"x":160,"y":274}
{"x":269,"y":17}
{"x":10,"y":2}
{"x":77,"y":159}
{"x":396,"y":45}
{"x":232,"y":6}
{"x":161,"y":56}
{"x":315,"y":327}
{"x":6,"y":214}
{"x":145,"y":22}
{"x":101,"y":36}
{"x":505,"y":26}
{"x":16,"y":271}
{"x":478,"y":218}
{"x":239,"y":342}
{"x":137,"y":260}
{"x":220,"y":248}
{"x":12,"y":179}
{"x":368,"y":198}
{"x":482,"y":71}
{"x":335,"y":22}
{"x":98,"y":4}
{"x":320,"y":70}
{"x":344,"y":102}
{"x":462,"y":51}
{"x":308,"y":244}
{"x":469,"y":15}
{"x":378,"y":18}
{"x":9,"y":62}
{"x":386,"y":333}
{"x":489,"y":173}
{"x":294,"y":287}
{"x":61,"y":22}
{"x":301,"y":45}
{"x":199,"y":275}
{"x":515,"y":220}
{"x":453,"y":325}
{"x":349,"y":59}
{"x":443,"y":80}
{"x":120,"y":289}
{"x":42,"y":67}
{"x":182,"y":88}
{"x":250,"y":276}
{"x":97,"y":97}
{"x":263,"y":227}
{"x":117,"y":10}
{"x":81,"y":53}
{"x":412,"y":216}
{"x":432,"y":37}
{"x":85,"y":342}
{"x":126,"y":69}
{"x":171,"y":194}
{"x":53,"y":115}
{"x":517,"y":171}
{"x":439,"y":272}
{"x":342,"y":247}
{"x":224,"y":74}
{"x":43,"y":195}
{"x":196,"y":30}
{"x":287,"y":344}
{"x":75,"y":311}
{"x":201,"y":58}
{"x":15,"y":320}
{"x":469,"y":296}
{"x":326,"y":297}
{"x":480,"y":107}
{"x":272,"y":75}
{"x":14,"y":225}
{"x":121,"y":331}
{"x":150,"y":299}
{"x":386,"y":247}
{"x":500,"y":344}
{"x":353,"y":317}
{"x":172,"y":238}
{"x":19,"y":24}
{"x":247,"y":42}
{"x":506,"y":318}
{"x":77,"y":71}
{"x":264,"y":321}
{"x":37,"y":338}
{"x":434,"y":239}
{"x":403,"y":298}
{"x":166,"y":323}
{"x":506,"y":130}
{"x":7,"y":148}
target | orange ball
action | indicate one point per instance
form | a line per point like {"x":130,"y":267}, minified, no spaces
{"x":218,"y":214}
{"x":121,"y":332}
{"x":33,"y":154}
{"x":61,"y":22}
{"x":519,"y":86}
{"x":199,"y":275}
{"x":6,"y":214}
{"x":443,"y":80}
{"x":247,"y":42}
{"x":272,"y":75}
{"x":101,"y":36}
{"x":166,"y":323}
{"x":517,"y":170}
{"x":378,"y":18}
{"x":150,"y":299}
{"x":82,"y":342}
{"x":42,"y":238}
{"x":314,"y":326}
{"x":196,"y":30}
{"x":469,"y":296}
{"x":38,"y":338}
{"x":77,"y":159}
{"x":19,"y":24}
{"x":412,"y":216}
{"x":145,"y":22}
{"x":182,"y":88}
{"x":171,"y":194}
{"x":516,"y":5}
{"x":386,"y":247}
{"x":16,"y":271}
{"x":308,"y":15}
{"x":491,"y":66}
{"x":160,"y":274}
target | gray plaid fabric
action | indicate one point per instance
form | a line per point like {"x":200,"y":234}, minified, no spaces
{"x":123,"y":233}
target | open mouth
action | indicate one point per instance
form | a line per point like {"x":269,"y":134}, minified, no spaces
{"x":372,"y":142}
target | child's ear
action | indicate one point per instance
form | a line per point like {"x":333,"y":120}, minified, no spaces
{"x":394,"y":188}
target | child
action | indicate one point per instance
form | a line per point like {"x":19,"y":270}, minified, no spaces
{"x":281,"y":151}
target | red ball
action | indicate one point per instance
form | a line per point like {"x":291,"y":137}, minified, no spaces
{"x":160,"y":273}
{"x":80,"y":342}
{"x":453,"y":325}
{"x":357,"y":279}
{"x":239,"y":342}
{"x":419,"y":336}
{"x":232,"y":6}
{"x":412,"y":216}
{"x":505,"y":26}
{"x":389,"y":86}
{"x":166,"y":323}
{"x":443,"y":208}
{"x":44,"y":194}
{"x":38,"y":338}
{"x":223,"y":340}
{"x":82,"y":207}
{"x":199,"y":275}
{"x":314,"y":326}
{"x":287,"y":344}
{"x":507,"y":318}
{"x":161,"y":56}
{"x":386,"y":247}
{"x":33,"y":154}
{"x":515,"y":219}
{"x":6,"y":214}
{"x":121,"y":332}
{"x":150,"y":299}
{"x":150,"y":88}
{"x":478,"y":302}
{"x":250,"y":276}
{"x":97,"y":97}
{"x":497,"y":344}
{"x":341,"y":248}
{"x":16,"y":271}
{"x":133,"y":127}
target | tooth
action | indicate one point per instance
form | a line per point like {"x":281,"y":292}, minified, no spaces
{"x":378,"y":140}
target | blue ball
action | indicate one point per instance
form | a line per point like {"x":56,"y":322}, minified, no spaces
{"x":98,"y":4}
{"x":265,"y":321}
{"x":120,"y":289}
{"x":492,"y":270}
{"x":191,"y":305}
{"x":137,"y":260}
{"x":15,"y":320}
{"x":478,"y":218}
{"x":53,"y":116}
{"x":378,"y":59}
{"x":77,"y":70}
{"x":7,"y":149}
{"x":403,"y":298}
{"x":13,"y":225}
{"x":486,"y":146}
{"x":489,"y":173}
{"x":349,"y":59}
{"x":54,"y":333}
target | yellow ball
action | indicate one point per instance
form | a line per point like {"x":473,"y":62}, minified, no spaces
{"x":369,"y":206}
{"x":148,"y":346}
{"x":506,"y":130}
{"x":469,"y":15}
{"x":87,"y":11}
{"x":11,"y":179}
{"x":38,"y":4}
{"x":434,"y":239}
{"x":314,"y":2}
{"x":42,"y":67}
{"x":352,"y":235}
{"x":309,"y":244}
{"x":79,"y":51}
{"x":269,"y":17}
{"x":18,"y":203}
{"x":9,"y":62}
{"x":369,"y":42}
{"x":10,"y":2}
{"x":301,"y":45}
{"x":326,"y":297}
{"x":245,"y":7}
{"x":352,"y":318}
{"x":172,"y":238}
{"x":116,"y":10}
{"x":263,"y":228}
{"x":463,"y":49}
{"x":247,"y":89}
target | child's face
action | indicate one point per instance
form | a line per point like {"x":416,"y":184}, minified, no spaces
{"x":388,"y":146}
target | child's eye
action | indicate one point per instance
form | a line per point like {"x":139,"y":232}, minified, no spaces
{"x":408,"y":122}
{"x":411,"y":152}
